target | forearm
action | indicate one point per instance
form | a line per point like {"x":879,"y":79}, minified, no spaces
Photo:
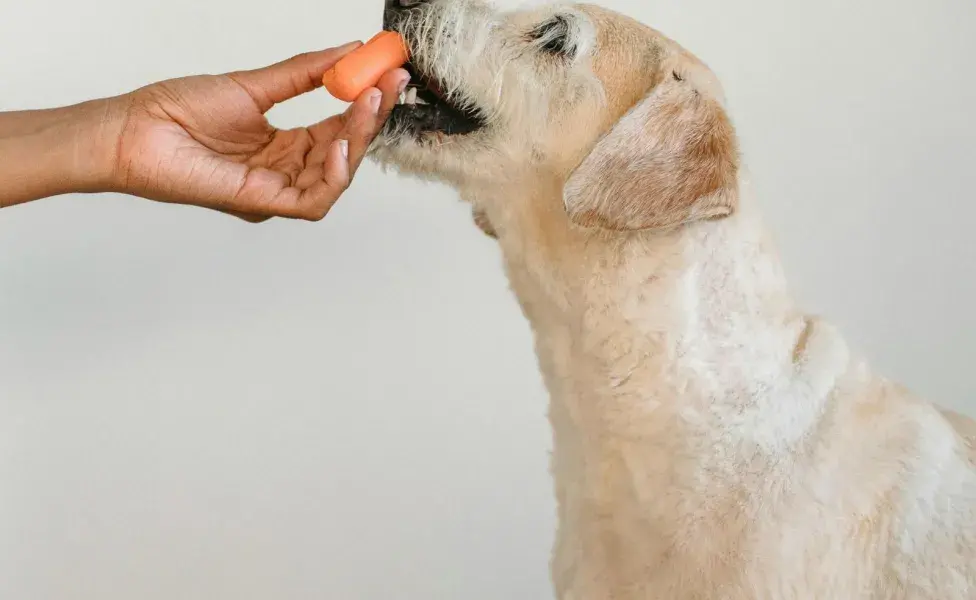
{"x":57,"y":151}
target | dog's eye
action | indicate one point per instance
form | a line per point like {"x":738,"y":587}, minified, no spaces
{"x":552,"y":36}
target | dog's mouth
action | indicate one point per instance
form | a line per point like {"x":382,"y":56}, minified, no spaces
{"x":425,"y":108}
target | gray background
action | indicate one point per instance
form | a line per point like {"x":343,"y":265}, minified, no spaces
{"x":193,"y":407}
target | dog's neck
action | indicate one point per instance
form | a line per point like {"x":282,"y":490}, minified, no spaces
{"x":656,"y":345}
{"x":699,"y":313}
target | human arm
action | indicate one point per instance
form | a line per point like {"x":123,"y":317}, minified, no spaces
{"x":56,"y":151}
{"x":199,"y":140}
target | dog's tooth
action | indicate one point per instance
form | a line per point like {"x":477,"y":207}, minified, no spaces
{"x":411,"y":96}
{"x":421,"y":100}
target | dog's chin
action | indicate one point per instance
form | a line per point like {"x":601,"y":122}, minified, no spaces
{"x":425,"y":111}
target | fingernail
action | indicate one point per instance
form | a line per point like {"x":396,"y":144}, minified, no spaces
{"x":403,"y":85}
{"x":374,"y":101}
{"x":344,"y":148}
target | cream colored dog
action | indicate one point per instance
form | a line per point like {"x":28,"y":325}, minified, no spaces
{"x":710,"y":440}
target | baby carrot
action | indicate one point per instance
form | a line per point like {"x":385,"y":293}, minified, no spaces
{"x":363,"y":67}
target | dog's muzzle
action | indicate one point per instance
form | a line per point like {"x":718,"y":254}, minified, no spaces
{"x":424,"y":107}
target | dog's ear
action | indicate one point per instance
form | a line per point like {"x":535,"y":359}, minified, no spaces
{"x":672,"y":159}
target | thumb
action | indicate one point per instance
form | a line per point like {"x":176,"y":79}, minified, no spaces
{"x":289,"y":78}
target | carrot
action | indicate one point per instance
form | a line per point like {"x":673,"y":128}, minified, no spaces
{"x":363,"y":67}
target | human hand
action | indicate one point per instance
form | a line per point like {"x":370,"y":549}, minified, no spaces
{"x":204,"y":140}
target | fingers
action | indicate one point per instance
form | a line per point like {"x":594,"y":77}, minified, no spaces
{"x":391,"y":84}
{"x":264,"y":195}
{"x":271,"y":193}
{"x":361,"y":122}
{"x":367,"y":115}
{"x":337,"y":175}
{"x":289,"y":78}
{"x":340,"y":145}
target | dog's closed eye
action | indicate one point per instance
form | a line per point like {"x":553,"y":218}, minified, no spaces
{"x":552,"y":36}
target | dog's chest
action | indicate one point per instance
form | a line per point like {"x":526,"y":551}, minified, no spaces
{"x":655,"y":500}
{"x":685,"y":545}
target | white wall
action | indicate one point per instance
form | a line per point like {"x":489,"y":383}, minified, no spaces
{"x":197,"y":408}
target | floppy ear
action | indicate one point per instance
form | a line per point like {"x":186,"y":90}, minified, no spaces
{"x":672,"y":159}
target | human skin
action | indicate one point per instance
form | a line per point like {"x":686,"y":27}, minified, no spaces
{"x":200,"y":140}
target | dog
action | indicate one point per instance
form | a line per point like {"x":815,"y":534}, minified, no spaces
{"x":710,"y":440}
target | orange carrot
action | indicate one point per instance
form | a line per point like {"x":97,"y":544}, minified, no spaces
{"x":363,"y":67}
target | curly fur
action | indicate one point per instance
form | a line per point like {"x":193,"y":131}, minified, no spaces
{"x":710,"y":439}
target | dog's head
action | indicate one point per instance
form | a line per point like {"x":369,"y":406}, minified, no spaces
{"x":629,"y":124}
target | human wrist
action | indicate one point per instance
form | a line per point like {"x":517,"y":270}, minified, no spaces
{"x":58,"y":151}
{"x":97,"y":129}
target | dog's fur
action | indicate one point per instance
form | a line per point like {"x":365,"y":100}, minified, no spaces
{"x":710,"y":440}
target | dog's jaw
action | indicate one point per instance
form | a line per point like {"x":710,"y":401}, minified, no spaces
{"x":431,"y":109}
{"x":424,"y":113}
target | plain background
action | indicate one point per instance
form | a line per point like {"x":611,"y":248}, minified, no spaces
{"x":193,"y":407}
